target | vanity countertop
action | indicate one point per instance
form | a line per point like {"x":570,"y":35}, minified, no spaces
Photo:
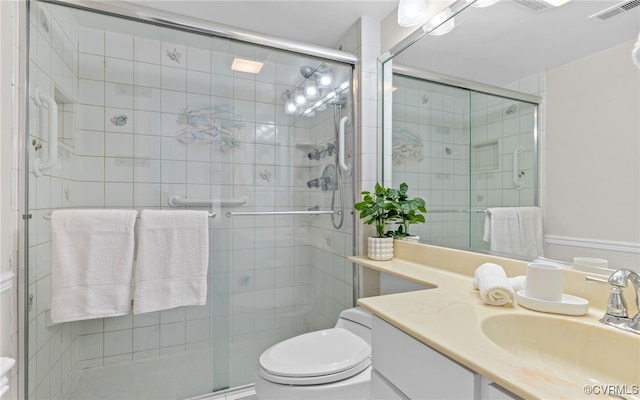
{"x":449,"y":318}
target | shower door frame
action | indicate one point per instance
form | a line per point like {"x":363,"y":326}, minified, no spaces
{"x":167,"y":20}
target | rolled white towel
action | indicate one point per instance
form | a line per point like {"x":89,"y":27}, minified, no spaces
{"x":518,"y":282}
{"x":493,"y":285}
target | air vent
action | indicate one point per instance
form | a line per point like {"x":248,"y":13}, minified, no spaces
{"x":615,"y":10}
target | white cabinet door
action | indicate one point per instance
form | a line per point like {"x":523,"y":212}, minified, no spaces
{"x":492,"y":391}
{"x":382,"y":389}
{"x":417,"y":370}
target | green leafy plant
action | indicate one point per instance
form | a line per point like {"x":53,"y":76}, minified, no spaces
{"x":389,"y":205}
{"x":406,"y":211}
{"x":376,"y":209}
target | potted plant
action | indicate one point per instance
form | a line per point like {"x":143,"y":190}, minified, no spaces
{"x":406,"y":211}
{"x":376,"y":209}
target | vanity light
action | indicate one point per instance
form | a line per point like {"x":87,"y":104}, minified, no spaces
{"x":484,"y":3}
{"x":242,"y":65}
{"x":325,"y":77}
{"x":311,"y":89}
{"x":446,"y":26}
{"x":556,"y":3}
{"x":411,"y":12}
{"x":299,"y":97}
{"x":290,"y":107}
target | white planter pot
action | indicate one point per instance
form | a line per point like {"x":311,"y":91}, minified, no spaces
{"x":380,"y":248}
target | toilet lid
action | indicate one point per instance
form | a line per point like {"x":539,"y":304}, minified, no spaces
{"x":319,"y":353}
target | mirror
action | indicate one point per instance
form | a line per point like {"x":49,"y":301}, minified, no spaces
{"x":577,"y":58}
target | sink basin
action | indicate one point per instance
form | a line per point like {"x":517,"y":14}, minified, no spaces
{"x":568,"y":348}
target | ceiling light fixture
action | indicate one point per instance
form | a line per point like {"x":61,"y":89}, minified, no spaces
{"x":444,"y":22}
{"x":484,"y":3}
{"x":242,"y":65}
{"x":411,"y":12}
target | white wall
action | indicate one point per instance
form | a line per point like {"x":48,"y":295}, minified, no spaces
{"x":9,"y":150}
{"x":593,"y":164}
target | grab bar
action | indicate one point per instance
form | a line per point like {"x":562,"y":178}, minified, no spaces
{"x":309,"y":212}
{"x":39,"y":166}
{"x":516,"y":173}
{"x":341,"y":153}
{"x":48,"y":216}
{"x":177,"y":201}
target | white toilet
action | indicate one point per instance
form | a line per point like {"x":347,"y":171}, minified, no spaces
{"x":328,"y":364}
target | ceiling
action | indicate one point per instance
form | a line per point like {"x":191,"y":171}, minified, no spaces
{"x":322,"y":23}
{"x":508,"y":41}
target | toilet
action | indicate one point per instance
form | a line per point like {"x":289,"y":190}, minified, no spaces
{"x":332,"y":363}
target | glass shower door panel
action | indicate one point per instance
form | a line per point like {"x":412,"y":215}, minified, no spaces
{"x":287,"y":274}
{"x":127,"y":94}
{"x":503,"y":155}
{"x":431,"y":154}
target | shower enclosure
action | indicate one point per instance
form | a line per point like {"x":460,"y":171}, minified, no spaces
{"x":127,"y":114}
{"x":463,"y":150}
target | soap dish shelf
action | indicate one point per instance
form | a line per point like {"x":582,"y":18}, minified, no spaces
{"x":569,"y":305}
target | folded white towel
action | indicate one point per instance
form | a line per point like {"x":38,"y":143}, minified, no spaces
{"x":493,"y":284}
{"x":92,"y":262}
{"x":515,"y":230}
{"x":173,"y":258}
{"x":6,"y":364}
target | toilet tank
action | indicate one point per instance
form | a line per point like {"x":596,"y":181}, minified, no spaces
{"x":358,"y":321}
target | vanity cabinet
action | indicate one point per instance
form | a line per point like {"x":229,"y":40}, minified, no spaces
{"x":415,"y":369}
{"x":407,"y":369}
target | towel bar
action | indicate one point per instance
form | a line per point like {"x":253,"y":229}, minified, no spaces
{"x":308,"y":212}
{"x":430,"y":211}
{"x":177,"y":201}
{"x":48,"y":216}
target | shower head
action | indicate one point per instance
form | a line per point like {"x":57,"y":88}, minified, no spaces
{"x":307,"y":72}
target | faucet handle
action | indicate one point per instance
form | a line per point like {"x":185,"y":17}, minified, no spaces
{"x":616,"y":306}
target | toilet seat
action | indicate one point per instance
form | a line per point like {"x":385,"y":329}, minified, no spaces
{"x":316,"y":358}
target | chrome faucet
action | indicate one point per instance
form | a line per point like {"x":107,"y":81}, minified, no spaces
{"x":616,"y":314}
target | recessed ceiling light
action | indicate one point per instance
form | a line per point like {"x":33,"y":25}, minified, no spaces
{"x":242,"y":65}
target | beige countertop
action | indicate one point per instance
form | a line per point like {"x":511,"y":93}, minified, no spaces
{"x":449,"y":319}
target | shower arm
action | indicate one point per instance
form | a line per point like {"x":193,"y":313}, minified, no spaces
{"x":341,"y":150}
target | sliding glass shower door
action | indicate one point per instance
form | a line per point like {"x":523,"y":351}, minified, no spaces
{"x":154,"y":118}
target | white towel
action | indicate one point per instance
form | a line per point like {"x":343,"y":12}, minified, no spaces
{"x":172,"y":263}
{"x":92,"y":262}
{"x":517,"y":283}
{"x":6,"y":364}
{"x":493,"y":284}
{"x":515,"y":230}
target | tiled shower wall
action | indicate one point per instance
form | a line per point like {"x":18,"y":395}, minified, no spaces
{"x":447,"y":141}
{"x":431,"y":154}
{"x":53,"y":352}
{"x":139,"y":111}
